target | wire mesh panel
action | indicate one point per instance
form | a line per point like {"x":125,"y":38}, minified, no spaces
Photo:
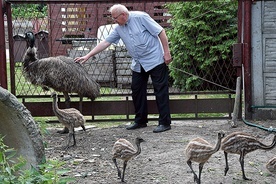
{"x":203,"y":34}
{"x":73,"y":28}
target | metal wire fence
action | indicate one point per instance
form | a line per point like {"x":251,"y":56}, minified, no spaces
{"x":74,"y":28}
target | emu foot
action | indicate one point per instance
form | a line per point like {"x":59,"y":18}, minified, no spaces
{"x":65,"y":130}
{"x":119,"y":175}
{"x":226,"y":170}
{"x":67,"y":147}
{"x":197,"y":181}
{"x":245,"y":178}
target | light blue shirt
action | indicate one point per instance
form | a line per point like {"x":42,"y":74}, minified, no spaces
{"x":140,"y":36}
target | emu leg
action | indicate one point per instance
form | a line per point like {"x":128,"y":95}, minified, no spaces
{"x":118,"y":170}
{"x":124,"y":169}
{"x":74,"y":139}
{"x":80,"y":104}
{"x":242,"y":166}
{"x":200,"y":167}
{"x":190,"y":165}
{"x":69,"y":140}
{"x":65,"y":130}
{"x":67,"y":99}
{"x":226,"y":164}
{"x":83,"y":127}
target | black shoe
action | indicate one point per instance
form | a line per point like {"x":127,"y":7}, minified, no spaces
{"x":65,"y":130}
{"x":162,"y":128}
{"x":135,"y":126}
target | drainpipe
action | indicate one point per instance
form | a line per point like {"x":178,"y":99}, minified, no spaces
{"x":3,"y":62}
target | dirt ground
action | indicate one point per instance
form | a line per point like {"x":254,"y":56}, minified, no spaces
{"x":162,"y":159}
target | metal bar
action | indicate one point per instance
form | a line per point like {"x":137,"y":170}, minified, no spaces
{"x":11,"y":48}
{"x":106,"y":108}
{"x":149,"y":119}
{"x":3,"y":62}
{"x":247,"y":59}
{"x":149,"y":94}
{"x":196,"y":103}
{"x":127,"y":108}
{"x":87,"y":1}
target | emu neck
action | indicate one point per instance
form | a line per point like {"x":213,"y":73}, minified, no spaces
{"x":217,"y":147}
{"x":29,"y":57}
{"x":55,"y":106}
{"x":269,"y":147}
{"x":138,"y":149}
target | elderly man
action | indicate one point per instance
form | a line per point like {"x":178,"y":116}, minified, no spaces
{"x":147,"y":44}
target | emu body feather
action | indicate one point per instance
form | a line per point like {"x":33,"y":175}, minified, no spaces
{"x":60,"y":73}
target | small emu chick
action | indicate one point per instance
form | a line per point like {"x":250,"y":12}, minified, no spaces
{"x":271,"y":165}
{"x":125,"y":151}
{"x":242,"y":143}
{"x":70,"y":118}
{"x":199,"y":150}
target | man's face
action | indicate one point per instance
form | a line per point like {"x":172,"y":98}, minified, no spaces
{"x":119,"y":18}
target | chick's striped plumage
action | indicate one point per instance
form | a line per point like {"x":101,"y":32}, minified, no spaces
{"x":271,"y":165}
{"x":70,"y":118}
{"x":123,"y":149}
{"x":199,"y":150}
{"x":238,"y":142}
{"x":242,"y":143}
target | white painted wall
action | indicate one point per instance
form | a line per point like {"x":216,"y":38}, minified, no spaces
{"x":257,"y":55}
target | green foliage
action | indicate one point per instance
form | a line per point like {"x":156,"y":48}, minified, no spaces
{"x":12,"y":169}
{"x":202,"y":35}
{"x":29,"y":10}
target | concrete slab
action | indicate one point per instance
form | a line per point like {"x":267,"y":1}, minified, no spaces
{"x":20,"y":130}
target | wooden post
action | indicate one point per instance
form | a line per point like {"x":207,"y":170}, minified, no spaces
{"x":237,"y":104}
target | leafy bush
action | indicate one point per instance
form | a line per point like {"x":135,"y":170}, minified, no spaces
{"x":29,"y":10}
{"x":201,"y":40}
{"x":12,"y":169}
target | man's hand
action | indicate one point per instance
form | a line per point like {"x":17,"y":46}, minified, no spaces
{"x":167,"y":58}
{"x":81,"y":60}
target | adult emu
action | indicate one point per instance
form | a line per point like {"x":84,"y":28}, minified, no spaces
{"x":60,"y":73}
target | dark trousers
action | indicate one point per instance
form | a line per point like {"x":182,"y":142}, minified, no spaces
{"x":159,"y":77}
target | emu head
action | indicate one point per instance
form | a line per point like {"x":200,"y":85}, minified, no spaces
{"x":138,"y":140}
{"x":30,"y":38}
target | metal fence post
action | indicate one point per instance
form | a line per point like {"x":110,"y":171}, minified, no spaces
{"x":3,"y":62}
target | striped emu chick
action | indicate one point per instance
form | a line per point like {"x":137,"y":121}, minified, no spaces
{"x":70,"y":118}
{"x":125,"y":151}
{"x":242,"y":143}
{"x":271,"y":165}
{"x":199,"y":150}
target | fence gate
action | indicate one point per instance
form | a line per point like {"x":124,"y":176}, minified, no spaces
{"x":73,"y":28}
